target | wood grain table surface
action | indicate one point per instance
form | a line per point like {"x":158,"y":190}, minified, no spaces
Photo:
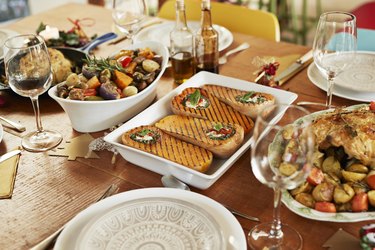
{"x":50,"y":190}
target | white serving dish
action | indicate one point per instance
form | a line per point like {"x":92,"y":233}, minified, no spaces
{"x":93,"y":116}
{"x":162,"y":108}
{"x":233,"y":234}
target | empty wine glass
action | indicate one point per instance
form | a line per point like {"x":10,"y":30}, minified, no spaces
{"x":128,"y":15}
{"x":334,"y":46}
{"x":281,"y":158}
{"x":28,"y":69}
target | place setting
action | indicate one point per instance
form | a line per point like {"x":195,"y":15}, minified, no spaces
{"x":193,"y":158}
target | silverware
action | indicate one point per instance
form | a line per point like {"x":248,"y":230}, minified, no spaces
{"x":173,"y":182}
{"x":122,"y":38}
{"x":293,"y":69}
{"x":314,"y":104}
{"x":10,"y":154}
{"x":97,"y":41}
{"x":223,"y":59}
{"x":50,"y":239}
{"x":19,"y":127}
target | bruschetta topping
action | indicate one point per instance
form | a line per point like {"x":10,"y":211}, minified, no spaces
{"x":145,"y":136}
{"x":196,"y":100}
{"x":220,"y":132}
{"x":251,"y":97}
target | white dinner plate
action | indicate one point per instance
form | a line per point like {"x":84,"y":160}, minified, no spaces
{"x":74,"y":231}
{"x":154,"y":32}
{"x":313,"y":214}
{"x":4,"y":35}
{"x":320,"y":81}
{"x":162,"y":108}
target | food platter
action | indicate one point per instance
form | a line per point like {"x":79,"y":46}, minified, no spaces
{"x":313,"y":214}
{"x":153,"y":33}
{"x":355,"y":83}
{"x":83,"y":224}
{"x":162,"y":108}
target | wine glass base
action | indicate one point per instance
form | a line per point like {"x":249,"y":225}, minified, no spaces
{"x":41,"y":141}
{"x":260,"y":238}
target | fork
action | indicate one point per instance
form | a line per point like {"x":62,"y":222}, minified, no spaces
{"x":224,"y":58}
{"x":44,"y":244}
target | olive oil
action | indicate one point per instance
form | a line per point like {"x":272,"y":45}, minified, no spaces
{"x":182,"y":46}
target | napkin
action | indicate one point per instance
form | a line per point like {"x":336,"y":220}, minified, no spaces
{"x":341,"y":240}
{"x":8,"y":171}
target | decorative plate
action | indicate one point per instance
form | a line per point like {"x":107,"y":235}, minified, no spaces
{"x":153,"y":33}
{"x":153,"y":223}
{"x":233,"y":236}
{"x":320,"y":81}
{"x":313,"y":214}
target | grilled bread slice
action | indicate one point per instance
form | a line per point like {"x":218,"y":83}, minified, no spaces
{"x":247,"y":102}
{"x":199,"y":103}
{"x":154,"y":141}
{"x":221,"y":139}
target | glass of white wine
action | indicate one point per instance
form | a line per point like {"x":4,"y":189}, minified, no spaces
{"x":128,"y":16}
{"x":29,"y":73}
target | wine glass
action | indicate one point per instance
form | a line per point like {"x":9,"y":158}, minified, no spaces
{"x":281,"y":158}
{"x":334,"y":46}
{"x":28,"y":69}
{"x":128,"y":15}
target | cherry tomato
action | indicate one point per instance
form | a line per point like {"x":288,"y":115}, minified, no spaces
{"x":125,"y":60}
{"x":372,"y":105}
{"x":360,"y":202}
{"x":324,"y":206}
{"x":370,"y":179}
{"x":315,"y":177}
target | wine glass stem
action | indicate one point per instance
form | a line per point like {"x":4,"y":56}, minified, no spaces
{"x":331,"y":84}
{"x":276,"y":224}
{"x":34,"y":101}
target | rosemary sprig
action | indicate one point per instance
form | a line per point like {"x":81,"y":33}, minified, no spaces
{"x":100,"y":64}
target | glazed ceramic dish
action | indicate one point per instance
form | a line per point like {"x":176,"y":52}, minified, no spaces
{"x":93,"y":116}
{"x":135,"y":210}
{"x":162,"y":108}
{"x":355,"y":83}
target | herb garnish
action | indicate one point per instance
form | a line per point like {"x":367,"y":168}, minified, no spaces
{"x":195,"y":97}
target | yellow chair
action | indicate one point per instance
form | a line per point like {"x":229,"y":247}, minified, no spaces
{"x":235,"y":18}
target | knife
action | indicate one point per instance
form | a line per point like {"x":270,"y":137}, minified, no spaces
{"x":293,"y":69}
{"x":10,"y":154}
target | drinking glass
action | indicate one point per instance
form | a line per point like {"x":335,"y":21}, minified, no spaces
{"x":281,"y":158}
{"x":334,"y":46}
{"x":128,"y":15}
{"x":28,"y":69}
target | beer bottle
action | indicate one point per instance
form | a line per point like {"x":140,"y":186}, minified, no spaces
{"x":207,"y":42}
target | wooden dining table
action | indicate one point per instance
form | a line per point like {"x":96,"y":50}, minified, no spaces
{"x":50,"y":190}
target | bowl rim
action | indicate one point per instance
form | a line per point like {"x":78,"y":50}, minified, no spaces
{"x":154,"y":44}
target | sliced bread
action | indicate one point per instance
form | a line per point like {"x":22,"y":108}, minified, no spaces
{"x":247,"y":102}
{"x":199,"y":103}
{"x":152,"y":140}
{"x":222,"y":139}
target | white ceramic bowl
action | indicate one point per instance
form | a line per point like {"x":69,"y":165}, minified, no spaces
{"x":93,"y":116}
